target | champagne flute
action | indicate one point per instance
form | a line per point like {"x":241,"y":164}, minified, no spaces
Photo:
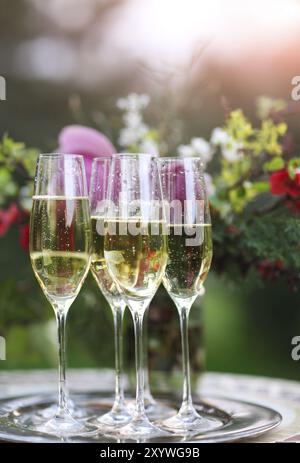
{"x":119,"y":413}
{"x":189,"y":259}
{"x":60,"y":248}
{"x":135,"y":248}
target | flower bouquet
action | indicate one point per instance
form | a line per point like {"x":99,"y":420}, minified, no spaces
{"x":253,"y":180}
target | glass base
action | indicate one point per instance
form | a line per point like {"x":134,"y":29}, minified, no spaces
{"x":155,"y":409}
{"x":58,"y":425}
{"x":118,"y":416}
{"x":139,"y":428}
{"x":50,"y":411}
{"x":188,"y":421}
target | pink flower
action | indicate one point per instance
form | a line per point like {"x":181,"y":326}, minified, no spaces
{"x":90,"y":143}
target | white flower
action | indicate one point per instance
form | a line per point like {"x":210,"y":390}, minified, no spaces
{"x":149,"y":147}
{"x":200,"y":145}
{"x":144,"y":100}
{"x":247,"y":184}
{"x":202,"y":148}
{"x":135,"y":130}
{"x":141,"y":131}
{"x":122,"y":103}
{"x":128,"y":137}
{"x":133,"y":102}
{"x":232,"y":151}
{"x":132,"y":119}
{"x":197,"y":147}
{"x":210,"y":187}
{"x":185,"y":151}
{"x":220,"y":137}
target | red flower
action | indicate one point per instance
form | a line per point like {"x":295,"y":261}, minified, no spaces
{"x":270,"y":270}
{"x":281,"y":183}
{"x":8,"y":217}
{"x":232,"y":229}
{"x":24,"y":236}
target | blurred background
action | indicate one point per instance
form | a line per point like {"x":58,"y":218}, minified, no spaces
{"x":68,"y":61}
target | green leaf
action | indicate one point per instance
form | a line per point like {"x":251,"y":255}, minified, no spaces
{"x":7,"y":186}
{"x":260,"y":187}
{"x":276,"y":163}
{"x":293,"y":166}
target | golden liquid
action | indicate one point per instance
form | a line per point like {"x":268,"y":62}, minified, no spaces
{"x":98,"y":264}
{"x":137,"y":262}
{"x":188,"y":265}
{"x":60,"y":244}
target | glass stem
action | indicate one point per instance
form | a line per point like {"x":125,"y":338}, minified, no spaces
{"x":187,"y":394}
{"x":61,"y":317}
{"x":147,"y":392}
{"x":118,"y":313}
{"x":139,"y":356}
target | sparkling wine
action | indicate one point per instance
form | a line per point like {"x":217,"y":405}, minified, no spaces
{"x":189,"y":259}
{"x":98,"y":263}
{"x":136,"y":253}
{"x":60,"y":242}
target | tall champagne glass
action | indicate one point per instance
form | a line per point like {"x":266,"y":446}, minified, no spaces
{"x":189,"y":259}
{"x":60,"y":247}
{"x":135,"y":249}
{"x":119,"y":413}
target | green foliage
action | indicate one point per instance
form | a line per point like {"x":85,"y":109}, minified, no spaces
{"x":19,"y":305}
{"x":266,"y":139}
{"x":293,"y":167}
{"x":8,"y":187}
{"x":233,"y":172}
{"x":17,"y":167}
{"x":270,"y":237}
{"x":266,"y":105}
{"x":238,"y":126}
{"x":276,"y":163}
{"x":274,"y":237}
{"x":243,"y":177}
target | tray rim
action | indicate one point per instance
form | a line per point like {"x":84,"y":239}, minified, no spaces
{"x":233,"y":436}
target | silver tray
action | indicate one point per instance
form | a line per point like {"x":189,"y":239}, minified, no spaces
{"x":236,"y":419}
